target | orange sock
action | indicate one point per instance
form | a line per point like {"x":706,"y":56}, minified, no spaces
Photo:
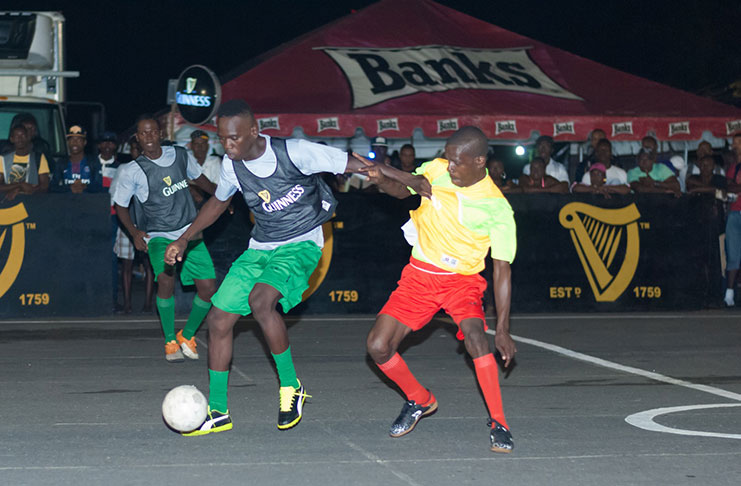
{"x":397,"y":371}
{"x":487,"y":375}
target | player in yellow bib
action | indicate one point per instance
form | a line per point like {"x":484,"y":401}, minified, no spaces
{"x":451,"y":233}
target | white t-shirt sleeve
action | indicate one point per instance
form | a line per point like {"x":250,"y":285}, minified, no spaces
{"x":526,"y":169}
{"x":586,"y":179}
{"x":312,"y":158}
{"x":130,"y":181}
{"x":212,"y":168}
{"x":562,"y":174}
{"x":194,"y":170}
{"x":228,"y":183}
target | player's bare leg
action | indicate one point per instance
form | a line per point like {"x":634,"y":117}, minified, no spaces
{"x":382,"y":344}
{"x":477,"y":345}
{"x":292,"y":395}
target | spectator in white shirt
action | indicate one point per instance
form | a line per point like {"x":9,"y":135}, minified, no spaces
{"x":544,"y":149}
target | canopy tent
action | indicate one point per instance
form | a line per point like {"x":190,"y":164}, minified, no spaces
{"x":379,"y":71}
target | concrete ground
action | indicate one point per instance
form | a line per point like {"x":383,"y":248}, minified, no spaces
{"x":593,"y":399}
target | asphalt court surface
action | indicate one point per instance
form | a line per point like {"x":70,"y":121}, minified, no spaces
{"x":592,"y":399}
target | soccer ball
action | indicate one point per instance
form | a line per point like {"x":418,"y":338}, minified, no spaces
{"x":184,"y":408}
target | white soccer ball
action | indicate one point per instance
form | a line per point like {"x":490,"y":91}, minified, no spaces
{"x":184,"y":408}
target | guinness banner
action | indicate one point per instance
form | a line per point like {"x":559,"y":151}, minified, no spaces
{"x":575,"y":254}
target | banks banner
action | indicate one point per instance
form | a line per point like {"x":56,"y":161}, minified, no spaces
{"x":55,"y":255}
{"x":377,"y":75}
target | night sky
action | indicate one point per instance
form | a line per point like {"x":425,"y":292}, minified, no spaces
{"x":126,"y":51}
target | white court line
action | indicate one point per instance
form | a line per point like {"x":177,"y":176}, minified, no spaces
{"x":645,"y":420}
{"x":626,"y":369}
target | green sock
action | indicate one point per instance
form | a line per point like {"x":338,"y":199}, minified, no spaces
{"x":217,"y":390}
{"x":197,"y":314}
{"x":167,"y":317}
{"x":286,"y":371}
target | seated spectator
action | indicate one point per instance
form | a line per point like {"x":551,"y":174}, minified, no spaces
{"x":703,"y":150}
{"x":22,"y":170}
{"x":706,"y":182}
{"x":596,"y":181}
{"x":380,"y":148}
{"x":496,"y":172}
{"x":38,"y":144}
{"x":539,"y":181}
{"x":544,"y":149}
{"x":210,"y":164}
{"x":407,"y":158}
{"x":78,"y":173}
{"x":583,"y":167}
{"x":650,"y":177}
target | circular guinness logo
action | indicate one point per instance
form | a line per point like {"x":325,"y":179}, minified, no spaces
{"x":198,"y":94}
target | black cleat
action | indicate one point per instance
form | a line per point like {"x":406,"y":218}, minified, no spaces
{"x":291,"y":406}
{"x":409,"y":416}
{"x":500,"y":438}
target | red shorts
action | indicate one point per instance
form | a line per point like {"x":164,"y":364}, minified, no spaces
{"x":424,"y":289}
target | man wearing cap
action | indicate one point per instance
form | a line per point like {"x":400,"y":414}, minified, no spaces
{"x":544,"y":149}
{"x":22,"y":170}
{"x":210,"y":165}
{"x":78,"y":173}
{"x":379,"y":149}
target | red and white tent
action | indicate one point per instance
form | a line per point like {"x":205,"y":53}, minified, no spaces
{"x":399,"y":65}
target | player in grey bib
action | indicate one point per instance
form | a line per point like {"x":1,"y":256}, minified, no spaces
{"x":280,"y":182}
{"x":157,"y":183}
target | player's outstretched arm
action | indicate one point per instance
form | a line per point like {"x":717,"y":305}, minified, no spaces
{"x":209,"y":213}
{"x":391,"y":177}
{"x":502,"y":280}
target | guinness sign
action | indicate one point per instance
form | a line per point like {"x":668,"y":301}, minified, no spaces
{"x":198,"y":94}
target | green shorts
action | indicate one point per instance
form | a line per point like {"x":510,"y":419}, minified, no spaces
{"x":287,"y":269}
{"x":196,"y":264}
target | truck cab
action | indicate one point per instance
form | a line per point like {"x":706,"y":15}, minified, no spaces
{"x":32,"y":75}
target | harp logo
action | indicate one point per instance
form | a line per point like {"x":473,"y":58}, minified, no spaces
{"x":608,"y":244}
{"x":12,"y":230}
{"x":264,"y":195}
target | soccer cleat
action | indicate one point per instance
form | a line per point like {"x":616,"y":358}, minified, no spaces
{"x":187,"y":346}
{"x":291,"y":406}
{"x":500,"y":437}
{"x":410,"y":415}
{"x":173,"y":353}
{"x":215,"y":422}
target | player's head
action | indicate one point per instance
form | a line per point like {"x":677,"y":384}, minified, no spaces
{"x":237,"y":129}
{"x":466,"y":153}
{"x":148,"y":134}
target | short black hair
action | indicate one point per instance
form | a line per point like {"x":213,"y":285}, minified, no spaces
{"x":147,"y":116}
{"x":537,"y":160}
{"x":604,"y":141}
{"x":544,"y":138}
{"x":473,"y":139}
{"x":235,"y":107}
{"x":406,"y":145}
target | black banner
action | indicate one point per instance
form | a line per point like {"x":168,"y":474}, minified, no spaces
{"x":575,"y":254}
{"x":55,"y":255}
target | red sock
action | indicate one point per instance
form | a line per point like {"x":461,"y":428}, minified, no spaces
{"x":398,"y":372}
{"x":487,"y":374}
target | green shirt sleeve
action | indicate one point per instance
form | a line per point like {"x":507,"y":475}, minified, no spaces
{"x":419,"y":171}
